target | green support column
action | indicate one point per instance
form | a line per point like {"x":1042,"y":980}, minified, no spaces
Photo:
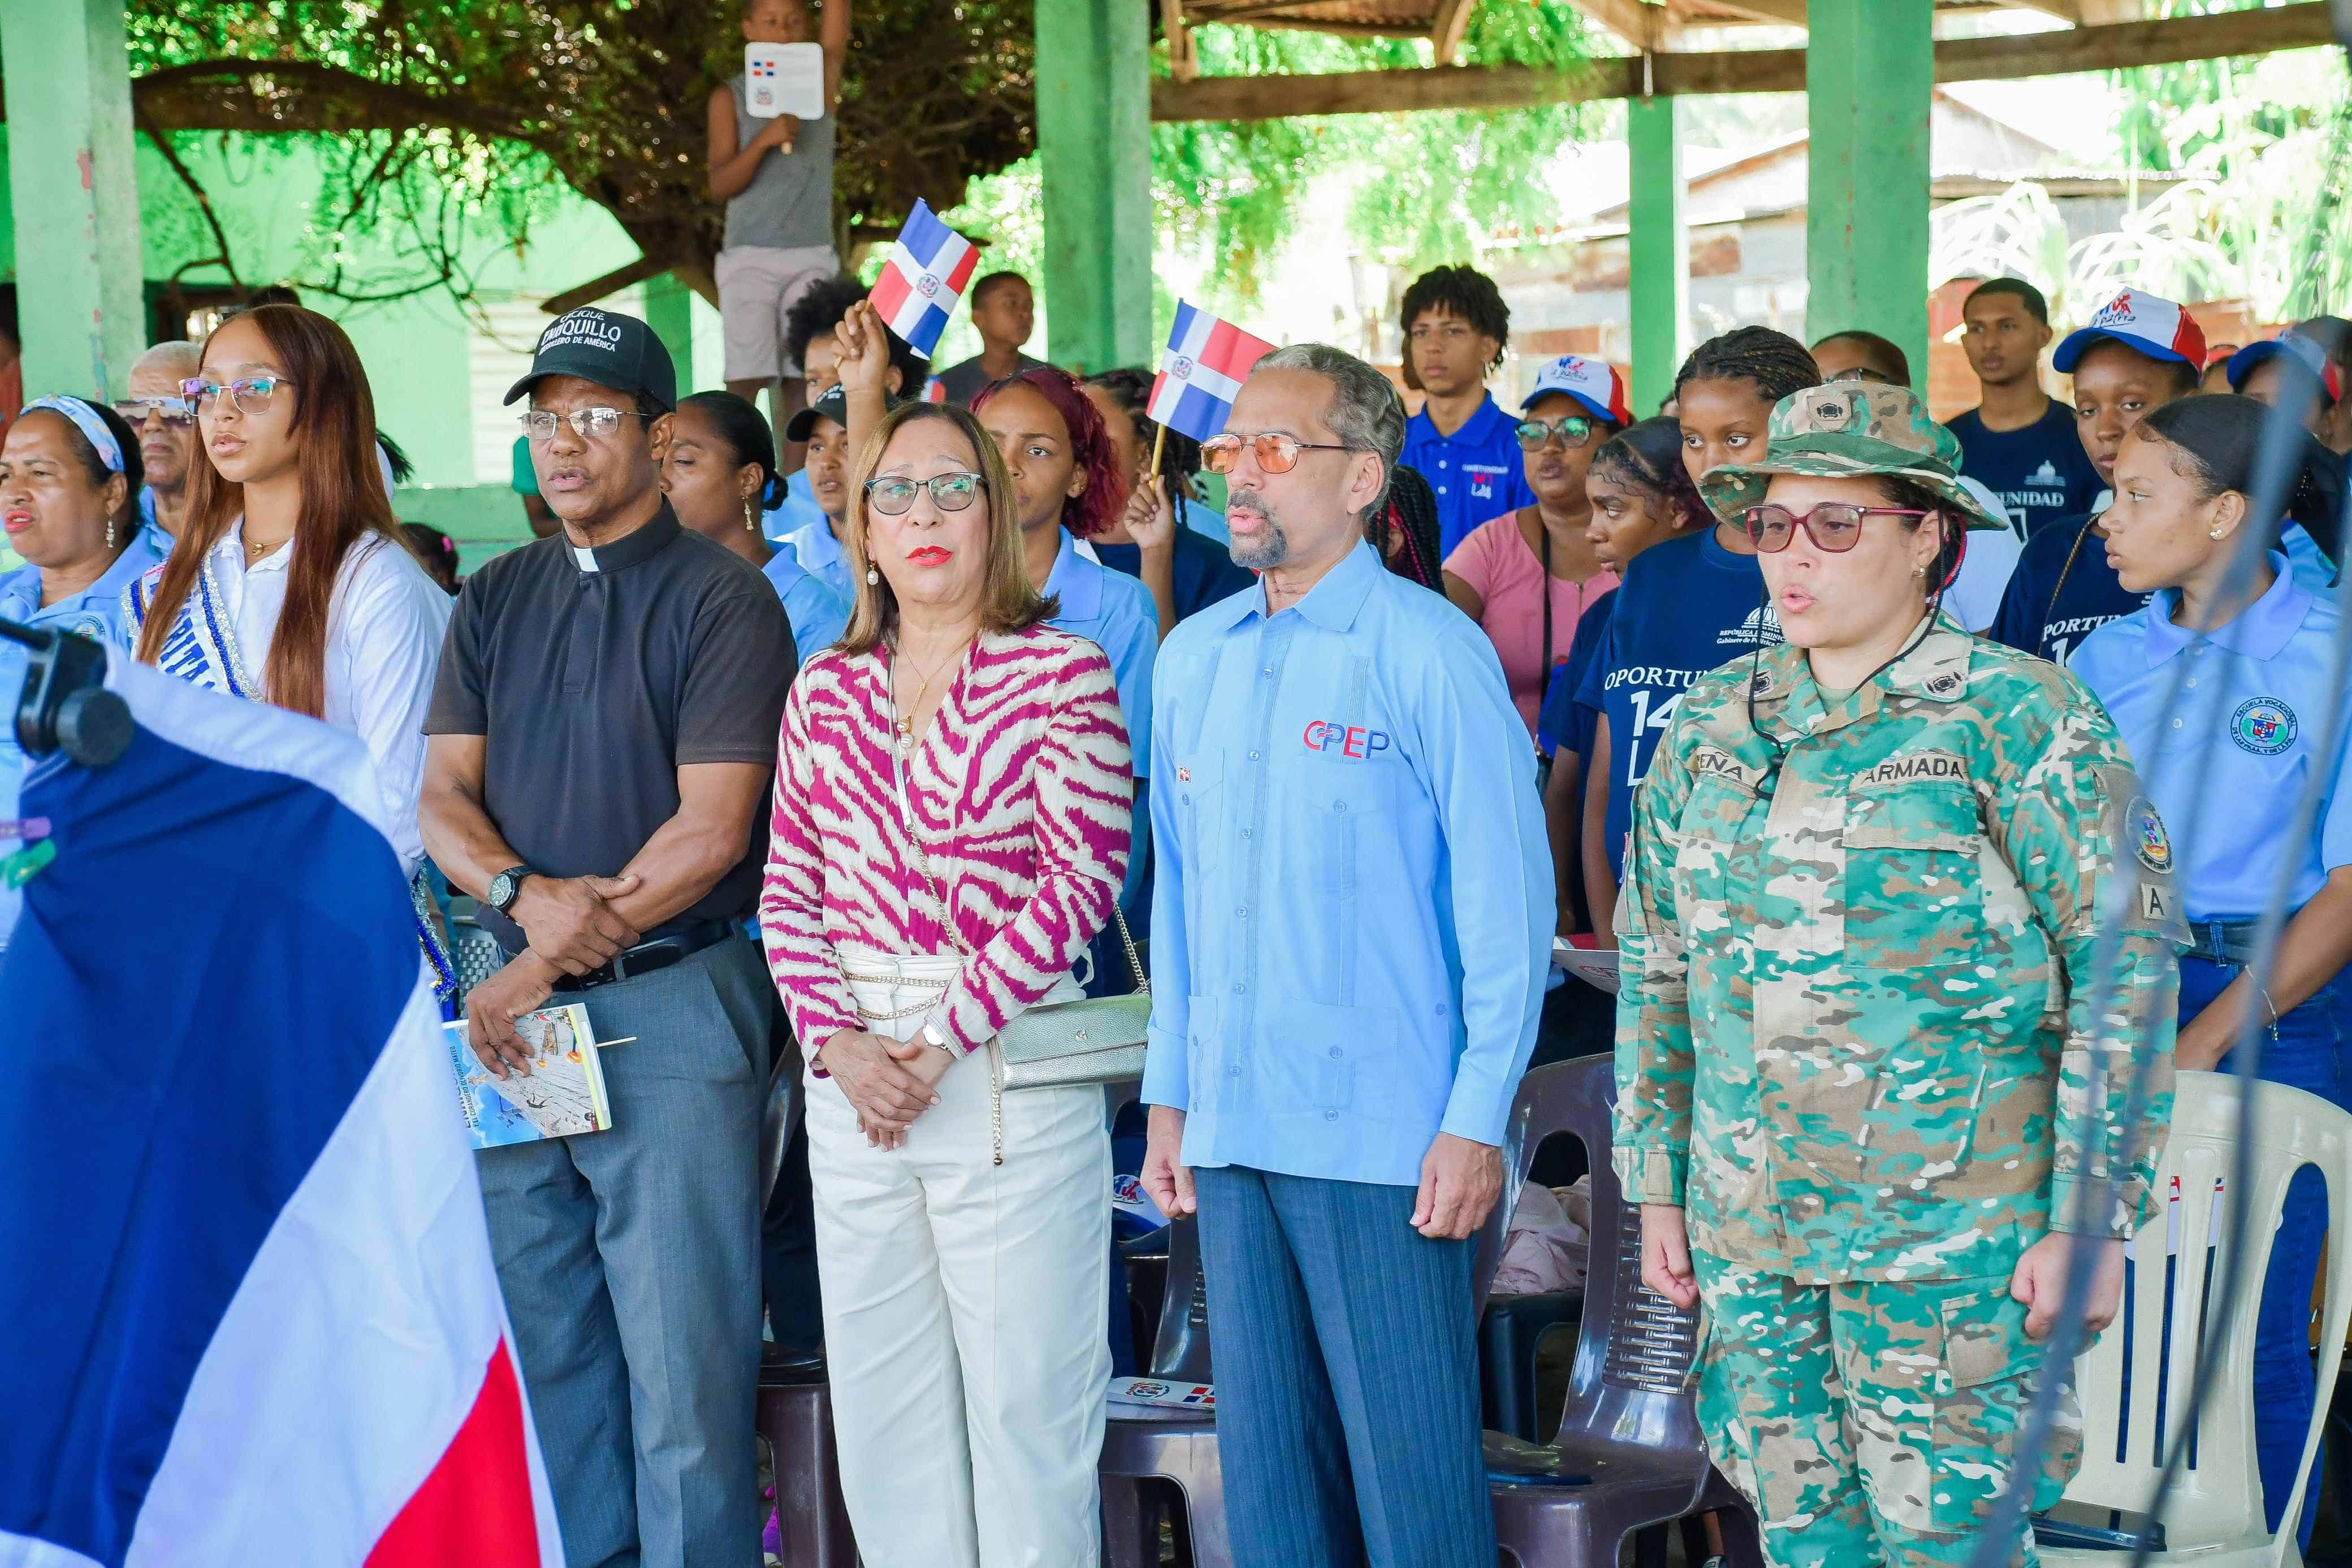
{"x":1094,"y":147}
{"x":75,"y":194}
{"x":1870,"y":76}
{"x":1658,"y":248}
{"x":669,"y":312}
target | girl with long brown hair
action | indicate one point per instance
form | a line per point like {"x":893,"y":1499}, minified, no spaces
{"x":290,"y":582}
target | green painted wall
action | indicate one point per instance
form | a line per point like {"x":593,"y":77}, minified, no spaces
{"x":269,"y":194}
{"x":78,"y":298}
{"x":1869,"y":79}
{"x":1093,"y":146}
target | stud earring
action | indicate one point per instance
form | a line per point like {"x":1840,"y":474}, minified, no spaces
{"x":1918,"y":571}
{"x":872,"y":577}
{"x":2213,"y":533}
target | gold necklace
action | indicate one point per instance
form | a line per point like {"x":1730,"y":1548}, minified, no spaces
{"x":904,"y":722}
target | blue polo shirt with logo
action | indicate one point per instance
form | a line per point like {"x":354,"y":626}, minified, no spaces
{"x":1475,"y":472}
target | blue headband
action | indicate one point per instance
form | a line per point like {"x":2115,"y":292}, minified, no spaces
{"x":86,"y":420}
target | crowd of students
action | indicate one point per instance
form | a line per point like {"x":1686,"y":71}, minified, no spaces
{"x":231,"y":519}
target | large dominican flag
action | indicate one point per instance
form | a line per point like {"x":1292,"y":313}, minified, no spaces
{"x":1201,"y":373}
{"x":928,"y":265}
{"x":247,"y":1308}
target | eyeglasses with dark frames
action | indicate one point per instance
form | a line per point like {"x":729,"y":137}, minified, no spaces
{"x":1573,"y":429}
{"x":893,"y":495}
{"x":1833,"y":525}
{"x":1274,"y":454}
{"x":170,"y":410}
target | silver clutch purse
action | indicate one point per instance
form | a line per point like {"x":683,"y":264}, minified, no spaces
{"x":1059,"y":1045}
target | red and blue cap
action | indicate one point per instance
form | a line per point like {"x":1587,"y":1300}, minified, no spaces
{"x":2156,"y":328}
{"x":1594,"y":383}
{"x":2301,"y":350}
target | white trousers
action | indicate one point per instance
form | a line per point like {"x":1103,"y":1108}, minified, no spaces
{"x":963,"y":1311}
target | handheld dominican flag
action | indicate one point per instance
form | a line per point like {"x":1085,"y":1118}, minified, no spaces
{"x":934,"y":390}
{"x":249,"y":1296}
{"x":1201,"y":373}
{"x":930,"y":264}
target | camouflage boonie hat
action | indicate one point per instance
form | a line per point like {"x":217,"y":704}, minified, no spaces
{"x":1846,"y":430}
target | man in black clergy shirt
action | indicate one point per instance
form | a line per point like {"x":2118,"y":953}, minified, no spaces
{"x":603,"y":729}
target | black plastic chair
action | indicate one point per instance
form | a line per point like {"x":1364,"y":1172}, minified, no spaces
{"x":1629,"y":1433}
{"x":1141,"y":1444}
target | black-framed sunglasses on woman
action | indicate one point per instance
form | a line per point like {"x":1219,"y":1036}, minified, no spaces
{"x":894,"y":495}
{"x":1571,"y":429}
{"x":251,"y":394}
{"x":1833,"y":525}
{"x":1274,"y":454}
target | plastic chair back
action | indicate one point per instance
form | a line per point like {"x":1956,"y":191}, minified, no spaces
{"x":2218,"y":1500}
{"x":1634,"y":1359}
{"x":1180,"y":1351}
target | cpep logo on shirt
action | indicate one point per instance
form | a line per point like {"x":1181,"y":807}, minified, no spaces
{"x":1352,"y":740}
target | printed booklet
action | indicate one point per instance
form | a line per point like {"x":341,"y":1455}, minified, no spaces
{"x":564,"y":1095}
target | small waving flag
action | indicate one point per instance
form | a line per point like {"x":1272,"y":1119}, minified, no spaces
{"x":1201,"y":373}
{"x":930,"y":264}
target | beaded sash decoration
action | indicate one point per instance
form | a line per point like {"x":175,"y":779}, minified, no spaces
{"x":201,"y":651}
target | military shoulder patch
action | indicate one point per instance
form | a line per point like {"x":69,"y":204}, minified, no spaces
{"x":2149,"y":842}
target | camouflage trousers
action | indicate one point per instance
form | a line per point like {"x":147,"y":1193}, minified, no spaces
{"x":1871,"y":1423}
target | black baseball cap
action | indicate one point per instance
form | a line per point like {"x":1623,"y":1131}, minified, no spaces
{"x":833,"y":405}
{"x":610,"y":350}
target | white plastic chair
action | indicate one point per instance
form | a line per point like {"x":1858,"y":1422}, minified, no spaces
{"x":2215,"y":1509}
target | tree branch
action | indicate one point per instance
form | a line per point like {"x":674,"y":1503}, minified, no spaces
{"x":163,"y":141}
{"x":340,"y":100}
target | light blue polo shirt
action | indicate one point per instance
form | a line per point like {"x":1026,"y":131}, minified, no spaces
{"x":2225,"y":763}
{"x":150,"y":532}
{"x":820,"y":555}
{"x":789,"y":516}
{"x":96,"y":613}
{"x":1115,"y":611}
{"x":817,"y":614}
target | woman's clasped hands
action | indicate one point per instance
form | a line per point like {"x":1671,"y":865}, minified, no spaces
{"x":888,"y":1082}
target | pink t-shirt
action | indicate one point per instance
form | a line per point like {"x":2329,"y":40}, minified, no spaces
{"x":1495,"y":560}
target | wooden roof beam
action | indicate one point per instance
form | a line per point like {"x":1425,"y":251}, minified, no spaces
{"x":1446,"y":27}
{"x":1643,"y":26}
{"x":2104,"y":48}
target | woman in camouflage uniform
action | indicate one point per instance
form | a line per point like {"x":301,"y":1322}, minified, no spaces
{"x":1856,"y":1049}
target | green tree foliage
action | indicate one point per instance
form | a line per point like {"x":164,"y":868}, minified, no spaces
{"x":453,"y":119}
{"x":1436,"y":185}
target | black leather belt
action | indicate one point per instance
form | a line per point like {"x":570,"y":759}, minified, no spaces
{"x":669,"y":945}
{"x":2222,"y":941}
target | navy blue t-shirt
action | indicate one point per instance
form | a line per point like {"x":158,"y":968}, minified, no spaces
{"x":1563,"y":721}
{"x":2061,"y":591}
{"x":1686,"y":606}
{"x":2041,"y":473}
{"x":1203,"y":568}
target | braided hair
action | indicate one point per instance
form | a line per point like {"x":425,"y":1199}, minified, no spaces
{"x":1648,"y":456}
{"x":1409,"y":512}
{"x":1778,"y":364}
{"x":1180,"y":457}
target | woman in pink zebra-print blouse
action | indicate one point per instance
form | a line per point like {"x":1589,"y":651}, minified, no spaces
{"x":1020,"y":792}
{"x":953,"y":799}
